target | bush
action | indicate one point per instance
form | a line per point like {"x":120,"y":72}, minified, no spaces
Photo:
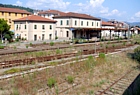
{"x":70,"y":79}
{"x":17,"y":39}
{"x":51,"y":82}
{"x":101,"y":55}
{"x":1,"y":47}
{"x":31,"y":44}
{"x":51,"y":43}
{"x":44,"y":43}
{"x":113,"y":45}
{"x":137,"y":54}
{"x":13,"y":70}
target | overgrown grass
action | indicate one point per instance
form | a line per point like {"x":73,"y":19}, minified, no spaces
{"x":70,"y":79}
{"x":13,"y":70}
{"x":51,"y":82}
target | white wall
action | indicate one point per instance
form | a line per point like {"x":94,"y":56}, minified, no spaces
{"x":61,"y":29}
{"x":106,"y":33}
{"x":29,"y":32}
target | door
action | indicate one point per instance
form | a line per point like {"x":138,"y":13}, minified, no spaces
{"x":35,"y":37}
{"x":43,"y":36}
{"x":50,"y":36}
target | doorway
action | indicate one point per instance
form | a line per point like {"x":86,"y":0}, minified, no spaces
{"x":35,"y":37}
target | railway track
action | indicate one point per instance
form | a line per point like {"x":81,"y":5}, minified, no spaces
{"x":117,"y":87}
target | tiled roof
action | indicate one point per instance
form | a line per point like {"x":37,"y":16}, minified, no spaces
{"x":13,"y":10}
{"x":35,"y":18}
{"x":56,"y":12}
{"x":77,"y":15}
{"x":107,"y":23}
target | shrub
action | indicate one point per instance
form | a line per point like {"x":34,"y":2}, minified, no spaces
{"x":106,"y":46}
{"x":1,"y":47}
{"x":17,"y":39}
{"x":51,"y":43}
{"x":27,"y":46}
{"x":137,"y":54}
{"x":44,"y":43}
{"x":70,"y":79}
{"x":56,"y":38}
{"x":51,"y":82}
{"x":113,"y":45}
{"x":124,"y":43}
{"x":101,"y":55}
{"x":31,"y":44}
{"x":101,"y":45}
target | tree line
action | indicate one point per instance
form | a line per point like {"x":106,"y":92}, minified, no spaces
{"x":19,"y":7}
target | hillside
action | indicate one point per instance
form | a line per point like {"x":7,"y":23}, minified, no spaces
{"x":19,"y":7}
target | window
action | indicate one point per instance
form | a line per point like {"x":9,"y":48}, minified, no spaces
{"x":75,"y":22}
{"x":2,"y":13}
{"x":9,"y":14}
{"x":15,"y":14}
{"x":50,"y":27}
{"x":43,"y":27}
{"x":67,"y":22}
{"x":61,"y":22}
{"x":67,"y":34}
{"x":21,"y":15}
{"x":17,"y":27}
{"x":25,"y":26}
{"x":35,"y":26}
{"x":10,"y":21}
{"x":81,"y":23}
{"x":97,"y":23}
{"x":92,"y":23}
{"x":87,"y":23}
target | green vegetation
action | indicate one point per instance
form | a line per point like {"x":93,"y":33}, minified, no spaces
{"x":44,"y":43}
{"x":31,"y":44}
{"x":51,"y":82}
{"x":14,"y":6}
{"x":101,"y":55}
{"x":4,"y":30}
{"x":1,"y":47}
{"x":13,"y":70}
{"x":137,"y":54}
{"x":70,"y":79}
{"x":51,"y":43}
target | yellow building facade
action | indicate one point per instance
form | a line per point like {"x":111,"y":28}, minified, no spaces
{"x":11,"y":14}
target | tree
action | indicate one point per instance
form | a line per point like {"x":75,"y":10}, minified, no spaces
{"x":4,"y":28}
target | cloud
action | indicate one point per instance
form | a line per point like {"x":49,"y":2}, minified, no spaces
{"x":114,"y":12}
{"x":43,"y":4}
{"x":18,"y":3}
{"x":137,"y":14}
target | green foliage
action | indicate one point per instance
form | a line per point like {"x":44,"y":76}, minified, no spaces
{"x":31,"y":44}
{"x":17,"y":7}
{"x":56,"y":38}
{"x":101,"y":55}
{"x":58,"y":51}
{"x":51,"y":82}
{"x":51,"y":43}
{"x":124,"y":43}
{"x":17,"y":39}
{"x":15,"y":91}
{"x":113,"y":45}
{"x":70,"y":79}
{"x":1,"y":47}
{"x":101,"y":44}
{"x":137,"y":54}
{"x":106,"y":46}
{"x":44,"y":43}
{"x":26,"y":46}
{"x":13,"y":70}
{"x":4,"y":28}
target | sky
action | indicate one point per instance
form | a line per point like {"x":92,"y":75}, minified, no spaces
{"x":121,"y":10}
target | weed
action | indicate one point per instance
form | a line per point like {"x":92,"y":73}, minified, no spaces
{"x":113,"y":45}
{"x":91,"y":92}
{"x":124,"y":43}
{"x":101,"y":45}
{"x":26,"y":46}
{"x":31,"y":44}
{"x":44,"y":43}
{"x":51,"y":43}
{"x":15,"y":91}
{"x":51,"y":82}
{"x":70,"y":79}
{"x":13,"y":70}
{"x":102,"y":55}
{"x":58,"y":51}
{"x":1,"y":47}
{"x":106,"y":46}
{"x":15,"y":47}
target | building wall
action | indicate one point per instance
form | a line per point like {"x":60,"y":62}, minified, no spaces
{"x":68,"y":24}
{"x":106,"y":33}
{"x":30,"y":31}
{"x":9,"y":16}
